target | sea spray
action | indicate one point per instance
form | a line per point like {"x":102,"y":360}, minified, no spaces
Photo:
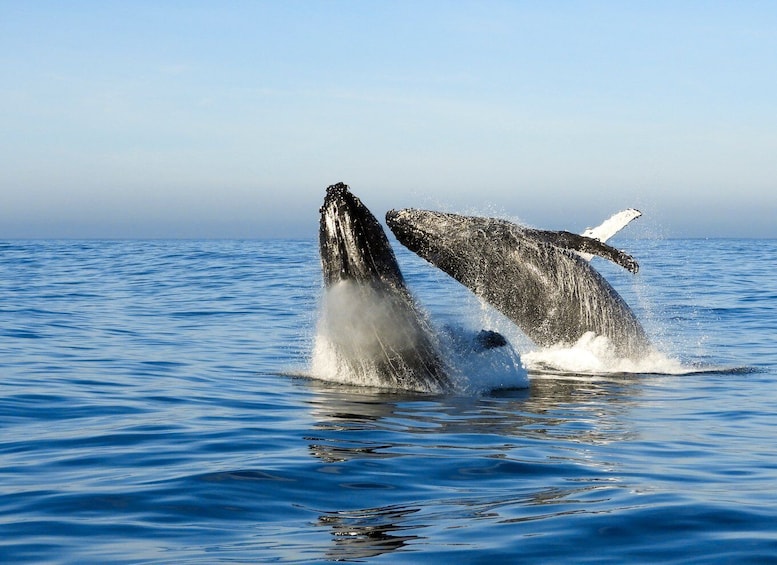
{"x":367,"y":334}
{"x":476,"y":368}
{"x":362,"y":330}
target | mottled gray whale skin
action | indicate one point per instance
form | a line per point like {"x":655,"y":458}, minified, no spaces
{"x":373,"y":323}
{"x":534,"y":277}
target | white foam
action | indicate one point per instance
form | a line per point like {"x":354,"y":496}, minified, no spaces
{"x":327,"y":364}
{"x":593,"y":354}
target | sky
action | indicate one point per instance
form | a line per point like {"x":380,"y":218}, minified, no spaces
{"x":222,"y":119}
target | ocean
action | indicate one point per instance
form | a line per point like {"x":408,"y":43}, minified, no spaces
{"x":157,"y":406}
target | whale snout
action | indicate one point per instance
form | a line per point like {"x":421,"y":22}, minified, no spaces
{"x":352,"y":243}
{"x":420,"y":230}
{"x":405,"y":225}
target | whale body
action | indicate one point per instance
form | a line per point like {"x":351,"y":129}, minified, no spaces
{"x":371,"y":328}
{"x":537,"y":278}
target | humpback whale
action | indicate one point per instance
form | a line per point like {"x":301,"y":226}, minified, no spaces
{"x":371,"y":331}
{"x":371,"y":325}
{"x":539,"y":279}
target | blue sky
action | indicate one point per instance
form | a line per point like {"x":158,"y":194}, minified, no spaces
{"x":229,"y":119}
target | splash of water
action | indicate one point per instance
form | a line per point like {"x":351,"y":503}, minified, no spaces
{"x":594,"y":355}
{"x":476,"y":369}
{"x":369,"y":336}
{"x":363,"y":333}
{"x":357,"y":325}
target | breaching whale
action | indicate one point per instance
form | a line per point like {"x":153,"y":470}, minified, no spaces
{"x":372,"y":332}
{"x":539,"y":279}
{"x":371,"y":325}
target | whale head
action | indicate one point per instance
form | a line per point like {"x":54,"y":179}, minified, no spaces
{"x":352,"y":242}
{"x":438,"y":237}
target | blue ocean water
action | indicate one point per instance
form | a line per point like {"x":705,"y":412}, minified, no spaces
{"x":154,"y":409}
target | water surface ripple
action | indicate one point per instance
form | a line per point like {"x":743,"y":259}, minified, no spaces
{"x":151,"y":411}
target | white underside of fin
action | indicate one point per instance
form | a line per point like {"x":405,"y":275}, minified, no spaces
{"x":610,"y":227}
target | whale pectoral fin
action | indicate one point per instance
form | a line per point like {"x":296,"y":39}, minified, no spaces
{"x":588,"y":246}
{"x":612,"y":225}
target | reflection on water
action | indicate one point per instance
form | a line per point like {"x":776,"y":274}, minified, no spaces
{"x":369,"y":532}
{"x":536,"y":450}
{"x":580,"y":410}
{"x":339,"y":453}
